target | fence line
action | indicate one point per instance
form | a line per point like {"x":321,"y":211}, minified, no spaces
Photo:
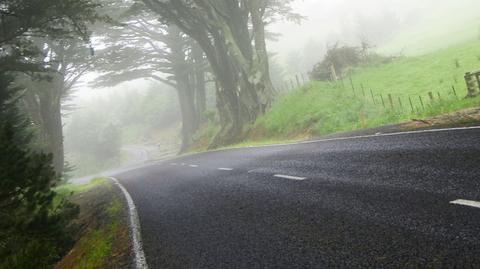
{"x":414,"y":103}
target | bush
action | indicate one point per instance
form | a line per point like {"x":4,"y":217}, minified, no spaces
{"x":33,"y":231}
{"x":340,"y":58}
{"x":343,"y":58}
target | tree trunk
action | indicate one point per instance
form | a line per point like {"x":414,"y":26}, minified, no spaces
{"x":186,"y":93}
{"x":200,"y":90}
{"x":51,"y":109}
{"x":245,"y":91}
{"x":222,"y":29}
{"x":189,"y":117}
{"x":43,"y":101}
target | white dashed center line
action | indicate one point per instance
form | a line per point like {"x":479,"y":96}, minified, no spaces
{"x":466,"y":203}
{"x":225,"y":169}
{"x":193,"y":165}
{"x":290,"y":177}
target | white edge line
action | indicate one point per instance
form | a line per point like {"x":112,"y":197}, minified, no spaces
{"x":193,"y":165}
{"x":290,"y":177}
{"x":372,"y":135}
{"x":333,"y":139}
{"x":140,"y":260}
{"x":466,"y":203}
{"x":225,"y":169}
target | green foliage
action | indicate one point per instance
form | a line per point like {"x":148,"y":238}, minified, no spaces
{"x":343,"y":58}
{"x":34,"y":223}
{"x":32,"y":230}
{"x":69,"y":189}
{"x":53,"y":19}
{"x":98,"y":245}
{"x":100,"y":242}
{"x":322,"y":108}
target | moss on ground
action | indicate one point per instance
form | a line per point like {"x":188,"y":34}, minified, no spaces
{"x":103,"y":237}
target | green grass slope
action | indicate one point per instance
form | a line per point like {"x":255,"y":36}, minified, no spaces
{"x":445,"y":24}
{"x":321,"y":108}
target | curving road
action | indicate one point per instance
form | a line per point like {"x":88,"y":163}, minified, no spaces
{"x":382,"y":201}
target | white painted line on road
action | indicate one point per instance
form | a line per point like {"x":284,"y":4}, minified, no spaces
{"x":466,"y":203}
{"x":342,"y":139}
{"x":290,"y":177}
{"x":225,"y":169}
{"x":193,"y":165}
{"x":139,"y":255}
{"x":356,"y":137}
{"x":374,"y":136}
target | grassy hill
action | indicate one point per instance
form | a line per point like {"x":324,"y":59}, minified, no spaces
{"x":320,"y":108}
{"x":443,"y":26}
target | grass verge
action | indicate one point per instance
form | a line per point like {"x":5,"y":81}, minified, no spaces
{"x":102,"y":239}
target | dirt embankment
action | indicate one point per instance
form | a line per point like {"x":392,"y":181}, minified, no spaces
{"x":465,"y":117}
{"x":102,"y":237}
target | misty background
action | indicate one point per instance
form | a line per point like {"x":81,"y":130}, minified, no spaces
{"x":140,"y":120}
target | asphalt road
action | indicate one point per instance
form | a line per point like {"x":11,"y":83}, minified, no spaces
{"x":372,"y":202}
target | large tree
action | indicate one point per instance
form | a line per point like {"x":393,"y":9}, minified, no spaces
{"x":141,"y":47}
{"x":232,"y":35}
{"x":32,"y":227}
{"x":36,"y":38}
{"x":64,"y":63}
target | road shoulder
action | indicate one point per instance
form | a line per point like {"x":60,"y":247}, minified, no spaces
{"x":101,"y":229}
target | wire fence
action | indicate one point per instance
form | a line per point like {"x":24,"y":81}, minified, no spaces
{"x":395,"y":102}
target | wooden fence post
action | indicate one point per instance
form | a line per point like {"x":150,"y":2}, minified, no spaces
{"x":421,"y":102}
{"x":298,"y":81}
{"x":373,"y":97}
{"x":454,"y":92}
{"x":470,"y":84}
{"x":400,"y":102}
{"x":439,"y":96}
{"x":477,"y":76}
{"x":363,"y":90}
{"x":411,"y":104}
{"x":391,"y":100}
{"x":430,"y":94}
{"x":383,"y":101}
{"x":353,"y":87}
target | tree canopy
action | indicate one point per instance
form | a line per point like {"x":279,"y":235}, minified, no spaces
{"x":232,"y":35}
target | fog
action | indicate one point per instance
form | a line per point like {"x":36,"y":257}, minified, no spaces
{"x":398,"y":27}
{"x":221,"y":118}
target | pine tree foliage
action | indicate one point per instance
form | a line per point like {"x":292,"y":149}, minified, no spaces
{"x":32,"y":229}
{"x":34,"y":222}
